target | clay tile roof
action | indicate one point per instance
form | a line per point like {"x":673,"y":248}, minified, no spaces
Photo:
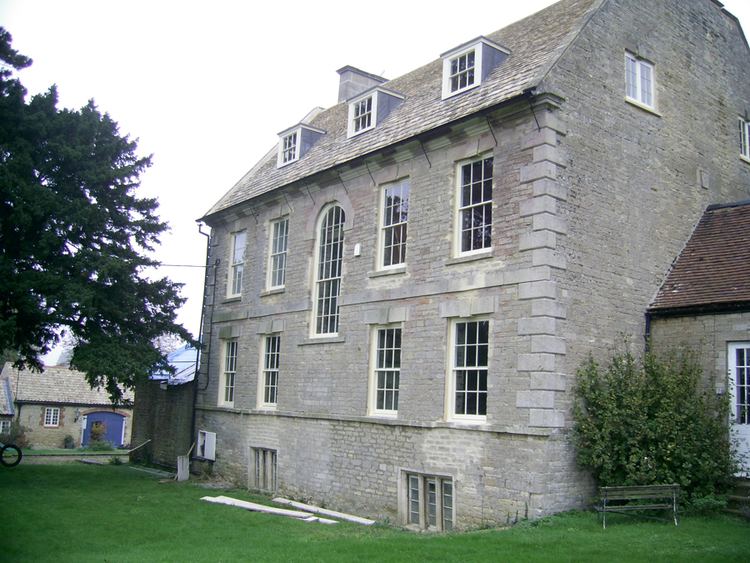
{"x":712,"y":270}
{"x":55,"y":385}
{"x":535,"y":44}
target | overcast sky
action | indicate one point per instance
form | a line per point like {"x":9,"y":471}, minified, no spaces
{"x":207,"y":86}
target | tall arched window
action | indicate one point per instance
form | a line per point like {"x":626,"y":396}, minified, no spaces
{"x":328,"y":275}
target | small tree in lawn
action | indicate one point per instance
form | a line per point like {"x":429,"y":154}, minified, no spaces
{"x":74,"y":239}
{"x":652,"y":422}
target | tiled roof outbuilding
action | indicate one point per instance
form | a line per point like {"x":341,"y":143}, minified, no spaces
{"x":713,"y":270}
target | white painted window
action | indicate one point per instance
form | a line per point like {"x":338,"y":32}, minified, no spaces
{"x":237,"y":264}
{"x":744,"y":140}
{"x":361,"y":115}
{"x":429,"y":502}
{"x":277,"y":253}
{"x":289,"y":148}
{"x":206,"y":445}
{"x":264,"y":476}
{"x":228,"y":373}
{"x":52,"y":417}
{"x":385,"y":373}
{"x":739,"y":375}
{"x":4,"y":426}
{"x":270,"y":369}
{"x":474,"y":219}
{"x":469,"y":369}
{"x":462,"y":71}
{"x":466,"y":66}
{"x":639,"y":80}
{"x":328,"y":271}
{"x":394,"y":213}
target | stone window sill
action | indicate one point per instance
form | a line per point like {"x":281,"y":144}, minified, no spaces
{"x":389,"y":272}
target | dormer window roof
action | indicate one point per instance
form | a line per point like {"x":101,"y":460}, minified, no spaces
{"x":295,"y":142}
{"x":369,"y":109}
{"x":466,"y":66}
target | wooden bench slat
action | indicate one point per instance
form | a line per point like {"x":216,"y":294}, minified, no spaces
{"x":626,"y":498}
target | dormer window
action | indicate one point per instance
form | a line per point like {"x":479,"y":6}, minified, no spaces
{"x":466,"y":66}
{"x":462,"y":72}
{"x":295,"y":142}
{"x":289,"y":148}
{"x":362,"y":119}
{"x":370,"y":108}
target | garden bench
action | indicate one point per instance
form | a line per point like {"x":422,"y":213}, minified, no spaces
{"x":644,"y":497}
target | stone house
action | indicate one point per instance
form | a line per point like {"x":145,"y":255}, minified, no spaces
{"x":704,"y":306}
{"x":59,"y":402}
{"x":401,"y":292}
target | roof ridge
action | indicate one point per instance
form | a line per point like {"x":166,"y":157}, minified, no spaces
{"x":715,"y":206}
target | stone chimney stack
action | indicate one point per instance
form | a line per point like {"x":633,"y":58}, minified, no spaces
{"x":354,"y":81}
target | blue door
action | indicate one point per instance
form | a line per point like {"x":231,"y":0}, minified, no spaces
{"x":104,"y":426}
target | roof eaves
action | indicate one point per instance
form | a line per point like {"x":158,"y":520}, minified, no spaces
{"x":432,"y":132}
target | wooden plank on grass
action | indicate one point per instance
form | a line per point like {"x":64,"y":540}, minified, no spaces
{"x":326,"y":512}
{"x":229,"y":501}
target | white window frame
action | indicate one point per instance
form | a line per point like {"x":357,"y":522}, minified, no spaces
{"x":206,"y":447}
{"x":268,"y":381}
{"x":464,"y":209}
{"x":385,"y":359}
{"x":448,"y":75}
{"x":635,"y":90}
{"x":228,"y":379}
{"x":51,"y":417}
{"x":289,"y":147}
{"x":278,"y":245}
{"x":393,"y":253}
{"x":744,"y":130}
{"x":328,"y":273}
{"x":429,"y":501}
{"x":354,"y":128}
{"x":456,"y":364}
{"x":236,"y":263}
{"x":5,"y":426}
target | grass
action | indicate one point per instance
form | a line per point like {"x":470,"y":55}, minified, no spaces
{"x":71,"y":451}
{"x":112,"y":513}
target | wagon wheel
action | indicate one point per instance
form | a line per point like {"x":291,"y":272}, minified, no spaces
{"x":10,"y":455}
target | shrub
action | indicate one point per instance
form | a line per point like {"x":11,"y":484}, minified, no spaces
{"x":16,"y":435}
{"x":651,"y":422}
{"x":100,"y":446}
{"x":69,"y":442}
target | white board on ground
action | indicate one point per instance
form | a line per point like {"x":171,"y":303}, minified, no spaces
{"x":306,"y":516}
{"x":325,"y":511}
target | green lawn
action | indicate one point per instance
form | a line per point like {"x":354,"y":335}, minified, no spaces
{"x":77,"y":512}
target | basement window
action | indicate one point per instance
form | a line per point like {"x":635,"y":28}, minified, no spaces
{"x":264,"y":474}
{"x":429,"y":502}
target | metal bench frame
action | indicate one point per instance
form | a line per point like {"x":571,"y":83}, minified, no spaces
{"x":628,"y":498}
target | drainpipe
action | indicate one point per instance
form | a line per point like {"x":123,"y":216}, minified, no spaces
{"x":647,"y":333}
{"x":201,"y":332}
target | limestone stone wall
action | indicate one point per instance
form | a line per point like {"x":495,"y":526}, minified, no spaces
{"x":705,"y":335}
{"x":593,"y":198}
